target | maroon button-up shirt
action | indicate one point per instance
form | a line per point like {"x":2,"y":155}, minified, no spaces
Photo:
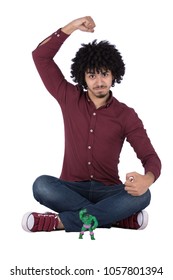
{"x":93,"y":137}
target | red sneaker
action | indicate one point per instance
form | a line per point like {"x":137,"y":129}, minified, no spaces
{"x":33,"y":221}
{"x":136,"y":221}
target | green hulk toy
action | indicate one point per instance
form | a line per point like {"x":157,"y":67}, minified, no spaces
{"x":89,"y":223}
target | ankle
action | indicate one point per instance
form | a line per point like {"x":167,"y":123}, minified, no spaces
{"x":60,"y":224}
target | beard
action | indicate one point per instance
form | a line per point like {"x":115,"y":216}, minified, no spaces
{"x":101,"y":95}
{"x":100,"y":92}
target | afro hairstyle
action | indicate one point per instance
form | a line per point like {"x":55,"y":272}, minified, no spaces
{"x":96,"y":56}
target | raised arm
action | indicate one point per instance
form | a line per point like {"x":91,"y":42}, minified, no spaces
{"x":43,"y":55}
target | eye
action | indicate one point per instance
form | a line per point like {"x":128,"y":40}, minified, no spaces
{"x":91,"y":76}
{"x":105,"y":74}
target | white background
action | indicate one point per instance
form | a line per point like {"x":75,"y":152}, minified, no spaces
{"x":32,"y":142}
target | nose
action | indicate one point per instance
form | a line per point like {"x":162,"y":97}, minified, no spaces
{"x":99,"y":79}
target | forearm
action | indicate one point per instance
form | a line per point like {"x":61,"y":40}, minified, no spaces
{"x":150,"y":178}
{"x":69,"y":28}
{"x":50,"y":46}
{"x":84,"y":24}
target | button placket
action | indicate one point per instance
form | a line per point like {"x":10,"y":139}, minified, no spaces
{"x":91,"y":145}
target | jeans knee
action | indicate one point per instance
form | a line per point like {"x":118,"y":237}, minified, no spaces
{"x":148,"y":193}
{"x":145,"y":199}
{"x":38,"y":186}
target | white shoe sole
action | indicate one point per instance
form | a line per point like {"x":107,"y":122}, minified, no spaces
{"x":28,"y":221}
{"x":142,"y":219}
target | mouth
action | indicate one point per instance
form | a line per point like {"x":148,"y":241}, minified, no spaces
{"x":99,"y":88}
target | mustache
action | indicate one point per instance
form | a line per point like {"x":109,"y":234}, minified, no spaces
{"x":99,"y":87}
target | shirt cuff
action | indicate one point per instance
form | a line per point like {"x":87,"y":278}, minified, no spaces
{"x":60,"y":35}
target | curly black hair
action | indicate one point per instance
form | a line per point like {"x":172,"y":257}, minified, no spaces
{"x":95,"y":57}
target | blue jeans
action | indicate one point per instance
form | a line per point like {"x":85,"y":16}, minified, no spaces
{"x":107,"y":203}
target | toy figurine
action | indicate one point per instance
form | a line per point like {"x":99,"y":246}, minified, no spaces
{"x":89,"y":223}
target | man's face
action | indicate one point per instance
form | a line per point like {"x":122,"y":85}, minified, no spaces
{"x":98,"y":83}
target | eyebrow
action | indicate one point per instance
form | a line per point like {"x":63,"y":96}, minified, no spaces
{"x":100,"y":71}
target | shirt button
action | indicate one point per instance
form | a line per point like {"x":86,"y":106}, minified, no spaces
{"x":89,"y":162}
{"x":91,"y":176}
{"x":89,"y":147}
{"x":94,"y":114}
{"x":91,"y":130}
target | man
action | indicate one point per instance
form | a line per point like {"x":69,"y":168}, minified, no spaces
{"x":96,"y":125}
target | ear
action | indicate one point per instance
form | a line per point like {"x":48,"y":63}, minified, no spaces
{"x":114,"y":80}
